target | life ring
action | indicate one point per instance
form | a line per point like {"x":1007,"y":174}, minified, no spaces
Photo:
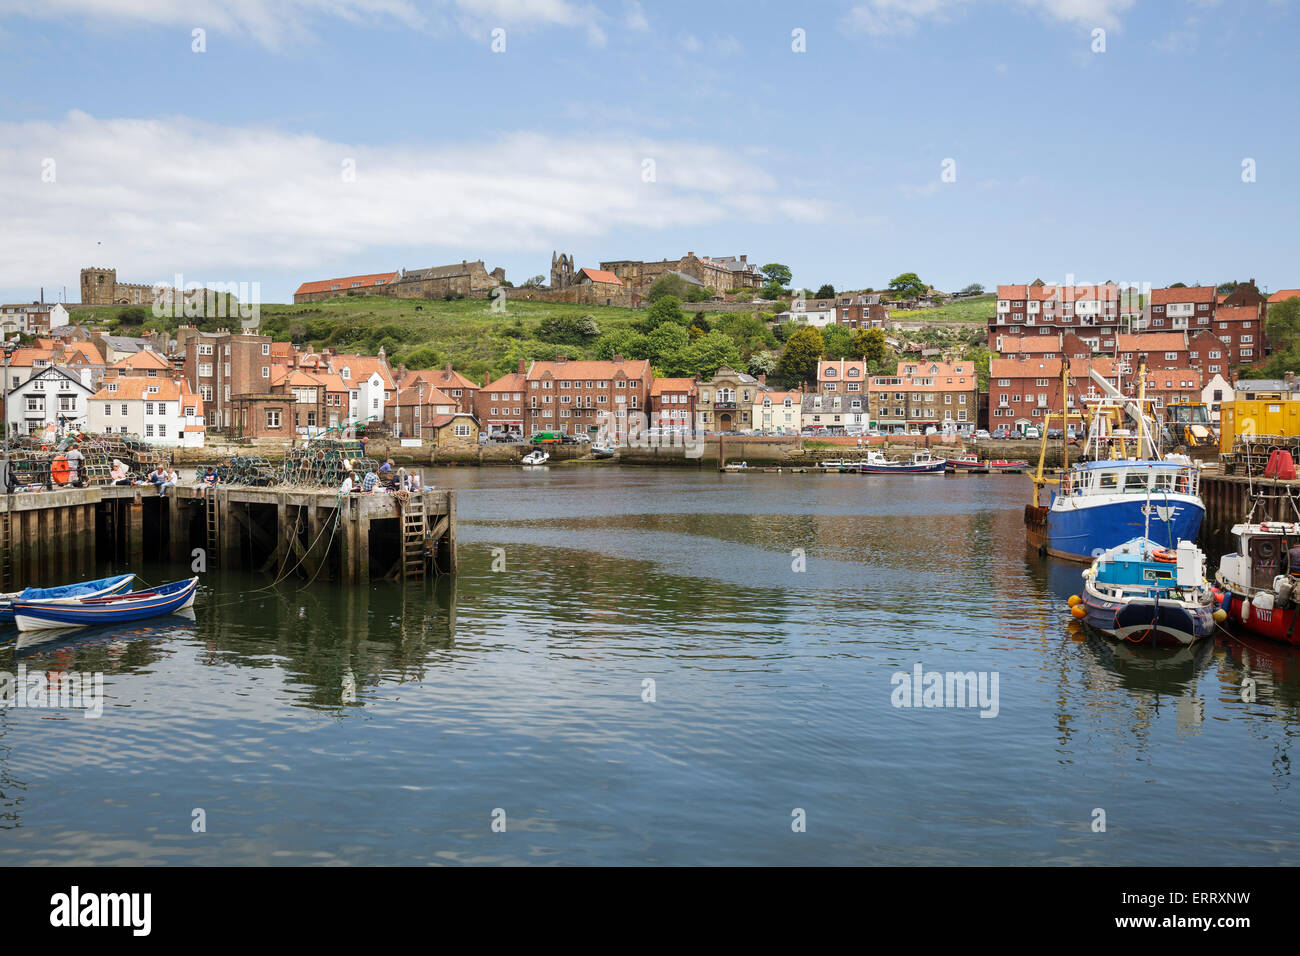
{"x":1164,"y":554}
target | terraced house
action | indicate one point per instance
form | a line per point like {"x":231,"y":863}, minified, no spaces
{"x":836,"y":414}
{"x":499,"y":404}
{"x":778,"y":413}
{"x":581,"y":398}
{"x":926,"y":394}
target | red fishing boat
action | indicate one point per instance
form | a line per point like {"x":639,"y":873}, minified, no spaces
{"x":1260,"y":582}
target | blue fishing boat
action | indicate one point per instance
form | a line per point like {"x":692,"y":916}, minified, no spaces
{"x":97,"y":588}
{"x":1143,"y":593}
{"x":1123,"y":488}
{"x":35,"y":615}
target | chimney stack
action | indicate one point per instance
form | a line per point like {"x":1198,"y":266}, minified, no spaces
{"x":522,"y":370}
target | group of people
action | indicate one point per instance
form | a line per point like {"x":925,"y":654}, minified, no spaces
{"x":390,"y":479}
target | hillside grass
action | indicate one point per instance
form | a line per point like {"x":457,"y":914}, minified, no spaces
{"x":977,"y":310}
{"x":465,"y":332}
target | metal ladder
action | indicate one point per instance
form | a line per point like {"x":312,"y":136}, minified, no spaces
{"x":214,"y":538}
{"x":6,"y":548}
{"x":414,"y":532}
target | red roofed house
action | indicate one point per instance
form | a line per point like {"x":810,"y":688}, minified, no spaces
{"x":331,"y":288}
{"x":1179,"y":309}
{"x":579,"y":398}
{"x":417,"y":407}
{"x":672,"y":403}
{"x":499,"y":404}
{"x":1040,"y":308}
{"x":449,"y":382}
{"x":1281,"y":295}
{"x":1166,"y":385}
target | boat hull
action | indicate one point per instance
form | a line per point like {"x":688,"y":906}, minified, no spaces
{"x":1277,"y":624}
{"x":1079,"y":529}
{"x":96,"y":588}
{"x":35,"y":615}
{"x":1144,"y":622}
{"x":936,"y":468}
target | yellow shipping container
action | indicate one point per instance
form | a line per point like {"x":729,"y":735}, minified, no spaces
{"x":1258,"y":416}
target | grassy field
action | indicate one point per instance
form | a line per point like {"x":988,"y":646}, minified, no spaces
{"x":975,"y":310}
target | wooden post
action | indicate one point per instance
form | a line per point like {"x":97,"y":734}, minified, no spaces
{"x":177,"y":527}
{"x":135,"y":524}
{"x":451,"y":532}
{"x":227,"y":527}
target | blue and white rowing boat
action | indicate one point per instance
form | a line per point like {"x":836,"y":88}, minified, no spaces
{"x":39,"y":614}
{"x":100,"y":587}
{"x":1146,"y":594}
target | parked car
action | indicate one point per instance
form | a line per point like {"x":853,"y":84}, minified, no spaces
{"x":982,"y":434}
{"x":1032,"y":433}
{"x":1001,"y":433}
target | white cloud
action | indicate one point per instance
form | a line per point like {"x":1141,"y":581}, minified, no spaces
{"x":277,"y":23}
{"x":1085,"y":13}
{"x":173,"y":193}
{"x":884,"y":17}
{"x":880,"y":17}
{"x":636,"y":18}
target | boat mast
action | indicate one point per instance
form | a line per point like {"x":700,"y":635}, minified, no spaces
{"x":1142,"y":391}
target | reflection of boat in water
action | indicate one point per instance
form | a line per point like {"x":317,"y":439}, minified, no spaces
{"x":1164,"y":669}
{"x":1142,"y":593}
{"x":1126,"y":486}
{"x":50,"y":640}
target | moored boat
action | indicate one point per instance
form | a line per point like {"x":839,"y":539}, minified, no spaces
{"x":1259,"y":579}
{"x":921,"y":463}
{"x":1144,"y":593}
{"x":967,"y":461}
{"x":537,"y":457}
{"x":39,"y":614}
{"x":1008,"y":466}
{"x":97,"y":588}
{"x":602,"y":451}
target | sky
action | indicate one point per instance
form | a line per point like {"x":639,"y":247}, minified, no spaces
{"x":281,"y":141}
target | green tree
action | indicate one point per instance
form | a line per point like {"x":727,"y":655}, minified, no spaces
{"x":568,"y":329}
{"x":777,"y":274}
{"x":907,"y":286}
{"x":980,"y":355}
{"x":701,"y":323}
{"x":973,"y":289}
{"x":837,"y":343}
{"x":667,"y":309}
{"x":798,"y":362}
{"x":426,"y":356}
{"x":668,"y":284}
{"x":869,"y":344}
{"x":748,"y":331}
{"x":666,"y":345}
{"x":826,"y":292}
{"x":709,"y":353}
{"x":626,"y":342}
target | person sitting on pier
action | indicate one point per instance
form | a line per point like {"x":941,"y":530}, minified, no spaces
{"x":387,"y":466}
{"x":158,"y":477}
{"x":210,"y":476}
{"x":346,"y":487}
{"x":369,"y":482}
{"x":169,"y":480}
{"x":120,"y":474}
{"x":413,"y":482}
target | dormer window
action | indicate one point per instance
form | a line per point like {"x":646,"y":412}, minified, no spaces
{"x":112,"y":386}
{"x":152,"y":390}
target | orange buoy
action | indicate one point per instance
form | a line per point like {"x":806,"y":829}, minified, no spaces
{"x":1074,"y":599}
{"x":60,"y":473}
{"x":1078,"y":612}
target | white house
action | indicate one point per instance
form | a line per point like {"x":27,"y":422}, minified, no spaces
{"x":38,"y":318}
{"x":51,"y":395}
{"x":160,"y":411}
{"x":817,"y":314}
{"x":366,"y":399}
{"x":1217,"y":389}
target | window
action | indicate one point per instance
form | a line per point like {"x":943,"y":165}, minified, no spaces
{"x":205,"y":371}
{"x":148,"y":431}
{"x":205,"y":393}
{"x":108,"y":409}
{"x":123,"y":408}
{"x":266,"y":371}
{"x":112,"y":386}
{"x":206,"y":350}
{"x":162,"y":431}
{"x":461,"y":431}
{"x":272,"y":418}
{"x":148,"y":408}
{"x":266,"y":348}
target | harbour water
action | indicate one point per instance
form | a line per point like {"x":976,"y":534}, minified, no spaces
{"x":663,"y":667}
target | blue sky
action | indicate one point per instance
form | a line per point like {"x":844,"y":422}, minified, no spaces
{"x":121,"y":146}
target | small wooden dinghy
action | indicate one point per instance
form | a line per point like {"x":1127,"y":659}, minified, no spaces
{"x":97,"y":588}
{"x":39,"y":614}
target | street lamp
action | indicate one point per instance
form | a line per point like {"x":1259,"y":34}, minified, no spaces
{"x":9,"y":348}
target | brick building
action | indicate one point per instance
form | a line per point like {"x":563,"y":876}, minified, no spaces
{"x":672,"y":403}
{"x":221,"y":365}
{"x":376,"y":283}
{"x":499,"y":404}
{"x":417,"y":407}
{"x":845,"y":376}
{"x":582,"y":397}
{"x":451,"y":383}
{"x":864,"y":310}
{"x":1094,"y":311}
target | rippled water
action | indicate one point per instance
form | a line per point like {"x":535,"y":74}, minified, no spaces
{"x":386,"y":724}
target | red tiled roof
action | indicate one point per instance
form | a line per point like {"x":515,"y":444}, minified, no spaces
{"x":145,"y":359}
{"x":1235,"y":313}
{"x":1197,"y":293}
{"x":346,"y":282}
{"x":1150,"y":342}
{"x":661,"y":385}
{"x":599,"y":275}
{"x":1281,"y":295}
{"x":361,"y":366}
{"x":428,"y":395}
{"x":1030,"y":344}
{"x":1011,"y":292}
{"x":632,"y":368}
